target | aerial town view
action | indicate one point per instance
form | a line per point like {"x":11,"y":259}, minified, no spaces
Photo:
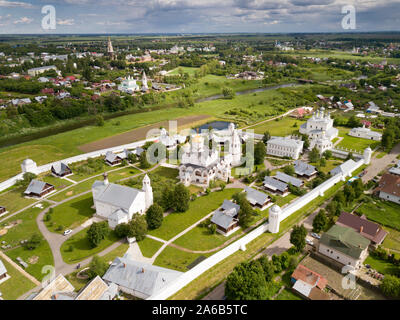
{"x":173,"y":150}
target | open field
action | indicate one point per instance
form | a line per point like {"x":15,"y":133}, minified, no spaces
{"x":149,"y":247}
{"x":353,"y":143}
{"x":23,"y":231}
{"x":392,"y":240}
{"x":283,"y":127}
{"x":175,"y":223}
{"x":16,"y":286}
{"x":189,"y":70}
{"x":82,"y":248}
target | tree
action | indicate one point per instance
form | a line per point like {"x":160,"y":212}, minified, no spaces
{"x":246,"y":282}
{"x":266,"y":137}
{"x":322,"y":162}
{"x":245,"y":214}
{"x":390,"y":286}
{"x":320,"y":221}
{"x":298,"y":237}
{"x":97,"y":232}
{"x":228,"y":93}
{"x":289,"y":170}
{"x":268,"y":268}
{"x":181,"y":198}
{"x":122,"y":230}
{"x":314,"y":155}
{"x":154,"y":216}
{"x":328,"y":154}
{"x":26,"y":179}
{"x":213,"y":228}
{"x":137,"y":227}
{"x":97,"y":267}
{"x":100,"y":120}
{"x":259,"y":153}
{"x":34,"y":242}
{"x":144,"y":164}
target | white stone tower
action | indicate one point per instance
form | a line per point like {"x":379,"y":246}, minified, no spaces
{"x":367,"y":155}
{"x":148,"y":191}
{"x":236,"y":148}
{"x":110,"y":49}
{"x":274,"y":219}
{"x":29,"y":165}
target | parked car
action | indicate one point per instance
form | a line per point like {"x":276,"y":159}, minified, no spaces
{"x":310,"y":242}
{"x":67,"y":232}
{"x":315,"y":235}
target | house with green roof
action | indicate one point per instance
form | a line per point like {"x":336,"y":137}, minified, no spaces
{"x":344,"y":245}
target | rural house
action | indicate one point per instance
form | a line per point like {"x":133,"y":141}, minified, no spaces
{"x":38,"y":189}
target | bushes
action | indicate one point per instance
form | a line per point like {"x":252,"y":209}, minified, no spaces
{"x":154,"y":217}
{"x":97,"y":232}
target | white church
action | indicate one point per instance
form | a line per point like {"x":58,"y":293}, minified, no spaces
{"x":319,"y":128}
{"x":200,"y":164}
{"x":117,"y":204}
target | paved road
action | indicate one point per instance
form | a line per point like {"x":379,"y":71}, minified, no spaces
{"x":377,"y":165}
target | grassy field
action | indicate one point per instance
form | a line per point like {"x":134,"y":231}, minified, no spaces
{"x":13,"y":200}
{"x":189,"y":70}
{"x":82,"y":248}
{"x":283,"y":127}
{"x":330,"y":164}
{"x":392,"y":240}
{"x":23,"y":231}
{"x":357,"y":144}
{"x":200,"y":239}
{"x":177,"y":222}
{"x":16,"y":286}
{"x":281,"y":201}
{"x":381,"y":266}
{"x":149,"y":247}
{"x":71,"y":214}
{"x":383,"y":212}
{"x":176,"y":259}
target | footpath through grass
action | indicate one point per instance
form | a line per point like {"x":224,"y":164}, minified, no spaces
{"x":149,"y":247}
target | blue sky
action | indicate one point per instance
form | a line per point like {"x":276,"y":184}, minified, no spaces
{"x":201,"y":16}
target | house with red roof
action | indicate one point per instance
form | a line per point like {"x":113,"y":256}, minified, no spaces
{"x":309,"y":284}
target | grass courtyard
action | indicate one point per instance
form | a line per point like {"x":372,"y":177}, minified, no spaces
{"x":149,"y":247}
{"x":175,"y":223}
{"x":71,"y":214}
{"x":13,"y":200}
{"x":82,"y":248}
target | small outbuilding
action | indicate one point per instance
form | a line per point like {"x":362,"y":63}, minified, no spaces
{"x":60,"y":170}
{"x":226,"y":218}
{"x":38,"y":189}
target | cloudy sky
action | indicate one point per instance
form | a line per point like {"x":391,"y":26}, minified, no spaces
{"x":200,"y":16}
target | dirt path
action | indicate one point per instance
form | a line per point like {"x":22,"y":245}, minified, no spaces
{"x":137,"y":134}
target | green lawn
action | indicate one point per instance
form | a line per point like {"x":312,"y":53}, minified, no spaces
{"x":189,"y":70}
{"x":13,"y":200}
{"x":330,"y":164}
{"x":176,"y":259}
{"x":71,"y":214}
{"x":177,"y":222}
{"x":149,"y":247}
{"x":87,"y":185}
{"x":169,"y":173}
{"x":353,"y":143}
{"x":383,"y":212}
{"x":58,"y":183}
{"x":200,"y":239}
{"x":279,"y":128}
{"x":82,"y":248}
{"x":16,"y":286}
{"x":24,"y":231}
{"x":381,"y":266}
{"x":392,"y":240}
{"x":281,"y":201}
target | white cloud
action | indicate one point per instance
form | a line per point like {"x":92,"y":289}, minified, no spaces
{"x":14,"y":4}
{"x":66,"y":22}
{"x":23,"y":20}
